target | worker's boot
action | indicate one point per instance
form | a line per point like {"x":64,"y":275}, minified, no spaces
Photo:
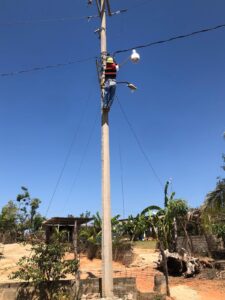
{"x":106,"y":108}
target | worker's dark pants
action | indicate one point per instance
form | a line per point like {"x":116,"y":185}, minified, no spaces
{"x":110,"y":90}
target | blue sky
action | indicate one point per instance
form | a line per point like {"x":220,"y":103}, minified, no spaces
{"x":177,"y":112}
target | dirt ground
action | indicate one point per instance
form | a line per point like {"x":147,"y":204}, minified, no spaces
{"x":143,"y":269}
{"x":11,"y":254}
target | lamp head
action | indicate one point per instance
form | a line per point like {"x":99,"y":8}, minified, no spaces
{"x":135,"y":57}
{"x":132,"y":87}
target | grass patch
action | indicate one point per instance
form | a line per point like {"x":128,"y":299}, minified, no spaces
{"x":145,"y":244}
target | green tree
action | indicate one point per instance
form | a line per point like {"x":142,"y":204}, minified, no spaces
{"x":215,"y":200}
{"x":213,"y":211}
{"x":90,"y":237}
{"x":29,"y":218}
{"x":213,"y":208}
{"x":46,"y":262}
{"x":20,"y":216}
{"x":8,"y":222}
{"x":135,"y":227}
{"x":165,"y":221}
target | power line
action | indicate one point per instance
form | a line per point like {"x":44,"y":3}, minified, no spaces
{"x":61,"y":19}
{"x":68,"y":153}
{"x":81,"y":161}
{"x":171,"y":39}
{"x":121,"y":179}
{"x":139,"y":144}
{"x":41,"y":68}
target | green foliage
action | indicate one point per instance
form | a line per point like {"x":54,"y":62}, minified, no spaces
{"x":213,"y":209}
{"x":135,"y":227}
{"x":90,"y":238}
{"x":86,"y":214}
{"x":219,"y":230}
{"x":20,"y":217}
{"x":164,"y":221}
{"x":8,"y":221}
{"x":176,"y":209}
{"x":28,"y":217}
{"x":46,"y":263}
{"x":150,"y":208}
{"x":215,"y":200}
{"x":8,"y":216}
{"x":45,"y":267}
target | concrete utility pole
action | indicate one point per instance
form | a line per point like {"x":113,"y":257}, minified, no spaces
{"x":107,"y":278}
{"x":107,"y":272}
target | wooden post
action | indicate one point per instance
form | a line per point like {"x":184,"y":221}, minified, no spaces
{"x":165,"y":268}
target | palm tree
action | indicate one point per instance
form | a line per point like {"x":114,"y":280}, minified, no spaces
{"x":213,"y":209}
{"x":215,"y":200}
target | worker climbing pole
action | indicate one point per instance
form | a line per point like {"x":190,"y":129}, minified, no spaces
{"x":110,"y":82}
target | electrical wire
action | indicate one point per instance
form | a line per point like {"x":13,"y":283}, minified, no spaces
{"x":68,"y":154}
{"x":81,"y":161}
{"x":116,"y":52}
{"x":139,"y":144}
{"x":47,"y":67}
{"x":61,"y":19}
{"x":171,"y":39}
{"x":121,"y":179}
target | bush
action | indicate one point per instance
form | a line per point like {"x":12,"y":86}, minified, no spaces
{"x":46,"y":263}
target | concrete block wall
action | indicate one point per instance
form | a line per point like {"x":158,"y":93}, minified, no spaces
{"x":89,"y":288}
{"x":200,"y":244}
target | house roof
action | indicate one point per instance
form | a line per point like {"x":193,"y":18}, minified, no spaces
{"x":63,"y":221}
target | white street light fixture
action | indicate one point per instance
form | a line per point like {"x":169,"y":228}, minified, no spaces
{"x":129,"y":85}
{"x":135,"y":57}
{"x":132,"y":87}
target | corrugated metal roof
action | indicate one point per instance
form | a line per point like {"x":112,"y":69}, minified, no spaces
{"x":63,"y":221}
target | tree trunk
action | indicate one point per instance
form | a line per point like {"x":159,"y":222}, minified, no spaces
{"x":189,"y":242}
{"x":164,"y":259}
